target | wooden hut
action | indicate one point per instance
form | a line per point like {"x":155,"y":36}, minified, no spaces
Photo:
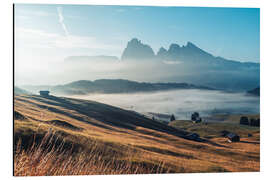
{"x":232,"y":137}
{"x":44,"y":93}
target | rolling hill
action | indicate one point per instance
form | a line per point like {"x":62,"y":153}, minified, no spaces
{"x":111,"y":86}
{"x":110,"y":140}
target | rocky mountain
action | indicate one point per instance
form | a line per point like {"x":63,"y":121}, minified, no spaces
{"x":190,"y":54}
{"x":187,"y":63}
{"x":137,"y":50}
{"x":202,"y":67}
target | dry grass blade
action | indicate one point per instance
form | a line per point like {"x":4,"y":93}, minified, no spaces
{"x":47,"y":158}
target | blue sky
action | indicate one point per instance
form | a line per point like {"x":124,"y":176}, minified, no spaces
{"x":53,"y":32}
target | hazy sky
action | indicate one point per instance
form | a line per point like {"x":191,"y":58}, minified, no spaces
{"x":52,"y":32}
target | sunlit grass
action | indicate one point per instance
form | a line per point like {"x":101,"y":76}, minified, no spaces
{"x":92,"y":149}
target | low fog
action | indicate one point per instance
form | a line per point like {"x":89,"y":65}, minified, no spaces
{"x":181,"y":103}
{"x":59,"y":73}
{"x":53,"y":73}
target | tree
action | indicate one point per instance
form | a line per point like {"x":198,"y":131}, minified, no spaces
{"x":172,"y":118}
{"x":253,"y":122}
{"x":244,"y":120}
{"x":195,"y":116}
{"x":258,"y":122}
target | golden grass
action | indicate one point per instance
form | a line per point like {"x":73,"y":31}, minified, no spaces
{"x":214,"y":129}
{"x":48,"y":158}
{"x":234,"y":118}
{"x":119,"y":150}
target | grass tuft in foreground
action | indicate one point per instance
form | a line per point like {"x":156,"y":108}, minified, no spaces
{"x":49,"y":158}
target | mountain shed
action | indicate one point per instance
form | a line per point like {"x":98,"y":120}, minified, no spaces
{"x":44,"y":93}
{"x":232,"y":137}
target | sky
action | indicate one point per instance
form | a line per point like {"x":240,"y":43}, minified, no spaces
{"x":47,"y":34}
{"x":58,"y":31}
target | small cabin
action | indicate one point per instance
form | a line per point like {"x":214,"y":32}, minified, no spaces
{"x":232,"y":137}
{"x":44,"y":93}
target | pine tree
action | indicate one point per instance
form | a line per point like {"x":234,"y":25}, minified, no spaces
{"x":172,"y":118}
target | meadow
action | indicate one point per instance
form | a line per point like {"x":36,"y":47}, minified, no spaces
{"x":65,"y":136}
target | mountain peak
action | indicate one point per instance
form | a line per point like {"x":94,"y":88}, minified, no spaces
{"x":174,"y":46}
{"x":191,"y":45}
{"x":162,"y":52}
{"x":137,"y":50}
{"x":135,"y":41}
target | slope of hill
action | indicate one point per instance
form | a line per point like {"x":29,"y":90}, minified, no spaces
{"x":20,"y":91}
{"x":112,"y":137}
{"x":215,"y":129}
{"x":112,"y":86}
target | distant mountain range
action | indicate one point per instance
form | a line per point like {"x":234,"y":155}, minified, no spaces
{"x":255,"y":91}
{"x":111,"y":86}
{"x":137,"y":50}
{"x":189,"y":53}
{"x":195,"y":65}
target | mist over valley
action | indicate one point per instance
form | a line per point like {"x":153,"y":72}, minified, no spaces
{"x":181,"y":103}
{"x":138,"y":62}
{"x":178,"y":80}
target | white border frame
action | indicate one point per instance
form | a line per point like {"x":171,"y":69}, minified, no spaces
{"x":6,"y":75}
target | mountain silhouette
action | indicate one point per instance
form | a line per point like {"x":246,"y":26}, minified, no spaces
{"x":189,"y":54}
{"x":137,"y":50}
{"x":186,"y":63}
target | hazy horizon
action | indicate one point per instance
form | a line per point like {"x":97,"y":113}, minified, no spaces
{"x":45,"y":35}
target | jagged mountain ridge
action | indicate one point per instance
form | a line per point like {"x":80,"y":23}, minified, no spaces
{"x":188,"y":53}
{"x":137,"y":50}
{"x":187,"y":63}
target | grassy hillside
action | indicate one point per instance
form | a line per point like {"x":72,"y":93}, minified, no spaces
{"x":63,"y":136}
{"x":231,"y":118}
{"x":214,"y":129}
